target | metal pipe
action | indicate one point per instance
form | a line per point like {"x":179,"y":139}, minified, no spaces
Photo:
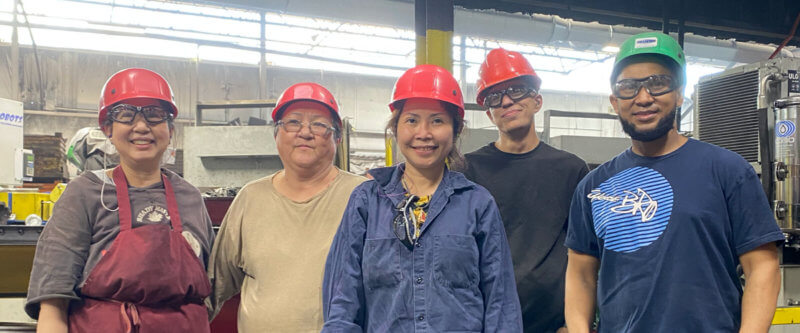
{"x":15,"y":64}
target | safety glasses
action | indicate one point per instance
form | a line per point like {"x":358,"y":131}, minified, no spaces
{"x":153,"y":114}
{"x":316,"y":127}
{"x":404,"y":223}
{"x":655,"y":85}
{"x":516,"y":93}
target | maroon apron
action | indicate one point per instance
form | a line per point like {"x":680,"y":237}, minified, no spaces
{"x":149,"y":280}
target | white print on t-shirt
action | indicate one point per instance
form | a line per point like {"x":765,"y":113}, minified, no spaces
{"x":637,"y":202}
{"x":631,"y":209}
{"x":152,"y":214}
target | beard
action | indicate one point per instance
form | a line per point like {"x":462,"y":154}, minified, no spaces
{"x":662,"y":128}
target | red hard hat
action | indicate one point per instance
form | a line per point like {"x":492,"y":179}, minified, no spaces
{"x":502,"y":65}
{"x":307,"y":91}
{"x":134,"y":83}
{"x":428,"y":81}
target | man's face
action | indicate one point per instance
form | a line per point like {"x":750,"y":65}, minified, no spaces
{"x":304,"y":149}
{"x":646,"y":117}
{"x":513,"y":116}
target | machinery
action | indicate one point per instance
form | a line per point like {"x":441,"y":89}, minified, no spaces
{"x":753,"y":111}
{"x":13,"y":170}
{"x":17,"y":242}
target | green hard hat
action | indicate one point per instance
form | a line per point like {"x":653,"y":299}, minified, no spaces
{"x":654,"y":43}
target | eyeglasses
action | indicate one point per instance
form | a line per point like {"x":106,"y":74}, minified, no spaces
{"x":516,"y":93}
{"x":153,"y":114}
{"x":316,"y":127}
{"x":405,"y":229}
{"x":655,"y":85}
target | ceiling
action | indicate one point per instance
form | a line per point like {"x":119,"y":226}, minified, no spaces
{"x":762,"y":21}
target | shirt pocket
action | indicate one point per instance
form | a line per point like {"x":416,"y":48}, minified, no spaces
{"x":455,"y":261}
{"x":381,"y":264}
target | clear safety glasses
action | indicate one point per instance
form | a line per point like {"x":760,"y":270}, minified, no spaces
{"x":655,"y":85}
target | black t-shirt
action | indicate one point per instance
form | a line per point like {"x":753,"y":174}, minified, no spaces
{"x":533,"y":191}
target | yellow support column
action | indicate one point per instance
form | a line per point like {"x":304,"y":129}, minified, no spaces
{"x":433,"y":24}
{"x":439,"y":33}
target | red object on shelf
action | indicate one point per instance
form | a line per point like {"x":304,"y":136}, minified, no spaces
{"x":217,"y":207}
{"x":225,"y":321}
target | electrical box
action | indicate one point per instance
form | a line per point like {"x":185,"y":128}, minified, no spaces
{"x":12,"y":156}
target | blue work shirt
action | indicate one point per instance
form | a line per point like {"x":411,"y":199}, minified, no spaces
{"x":458,"y":277}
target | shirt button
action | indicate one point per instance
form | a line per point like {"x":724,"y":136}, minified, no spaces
{"x":421,"y":317}
{"x":419,"y":280}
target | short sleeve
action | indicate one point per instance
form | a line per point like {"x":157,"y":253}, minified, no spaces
{"x":580,"y":233}
{"x":225,"y":267}
{"x":752,"y":221}
{"x":62,"y":250}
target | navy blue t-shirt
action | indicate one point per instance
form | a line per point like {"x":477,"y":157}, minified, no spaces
{"x":668,"y":232}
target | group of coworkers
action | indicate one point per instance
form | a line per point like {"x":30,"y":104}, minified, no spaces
{"x":516,"y":236}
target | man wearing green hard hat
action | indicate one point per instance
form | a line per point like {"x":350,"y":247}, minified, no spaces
{"x":656,"y":234}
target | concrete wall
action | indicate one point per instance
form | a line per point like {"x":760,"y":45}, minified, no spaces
{"x":72,"y":81}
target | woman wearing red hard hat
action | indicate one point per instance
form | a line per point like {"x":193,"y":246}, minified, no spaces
{"x":125,"y":249}
{"x":421,"y":247}
{"x":276,"y":259}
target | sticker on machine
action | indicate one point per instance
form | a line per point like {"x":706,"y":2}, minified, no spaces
{"x":785,"y":128}
{"x":631,"y":210}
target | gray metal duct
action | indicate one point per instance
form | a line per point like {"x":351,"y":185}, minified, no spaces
{"x":548,"y":29}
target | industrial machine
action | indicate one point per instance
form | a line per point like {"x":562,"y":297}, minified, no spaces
{"x":753,"y":111}
{"x":13,"y":170}
{"x":17,"y":242}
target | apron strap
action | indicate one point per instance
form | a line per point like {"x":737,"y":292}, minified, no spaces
{"x":124,"y":202}
{"x":123,"y":199}
{"x":172,"y":205}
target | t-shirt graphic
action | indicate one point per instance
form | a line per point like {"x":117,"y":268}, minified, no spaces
{"x":153,"y":214}
{"x":631,"y":209}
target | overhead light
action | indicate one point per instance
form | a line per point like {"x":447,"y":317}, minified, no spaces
{"x":610,"y":49}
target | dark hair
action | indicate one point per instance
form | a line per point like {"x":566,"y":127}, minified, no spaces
{"x":107,"y":123}
{"x":677,"y":71}
{"x":454,"y":158}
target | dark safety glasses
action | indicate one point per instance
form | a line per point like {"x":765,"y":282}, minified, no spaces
{"x":153,"y":114}
{"x":516,"y":93}
{"x":655,"y":85}
{"x":403,"y":224}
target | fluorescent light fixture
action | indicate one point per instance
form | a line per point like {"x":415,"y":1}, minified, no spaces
{"x":610,"y":49}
